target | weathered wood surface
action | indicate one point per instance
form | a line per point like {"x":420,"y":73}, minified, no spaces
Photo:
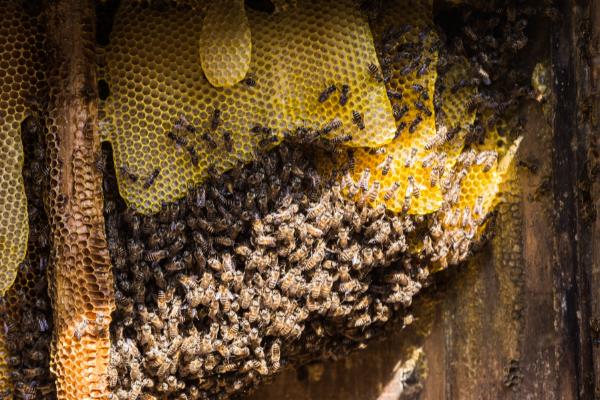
{"x":522,"y":319}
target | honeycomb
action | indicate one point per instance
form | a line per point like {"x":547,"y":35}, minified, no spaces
{"x":18,"y":78}
{"x":225,"y":43}
{"x":408,"y":49}
{"x":161,"y":111}
{"x":80,"y":278}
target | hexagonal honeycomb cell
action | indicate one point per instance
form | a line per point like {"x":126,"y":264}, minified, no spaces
{"x":170,"y":128}
{"x":17,"y":84}
{"x":225,"y":43}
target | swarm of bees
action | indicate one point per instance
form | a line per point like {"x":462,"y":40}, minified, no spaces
{"x":250,"y":272}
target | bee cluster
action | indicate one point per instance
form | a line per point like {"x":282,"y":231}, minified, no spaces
{"x":25,"y":310}
{"x":256,"y":269}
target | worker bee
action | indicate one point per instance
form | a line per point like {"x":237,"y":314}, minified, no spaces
{"x":487,"y":159}
{"x":228,"y":141}
{"x":193,"y":155}
{"x":178,"y":140}
{"x":334,"y":124}
{"x":215,"y":120}
{"x":408,"y":68}
{"x":386,"y":165}
{"x":80,"y":328}
{"x":275,"y":352}
{"x":156,"y":255}
{"x":373,"y":191}
{"x":326,"y":93}
{"x":152,"y":178}
{"x":411,"y":157}
{"x":273,"y":277}
{"x":399,"y":129}
{"x":249,"y":81}
{"x":316,"y":257}
{"x":363,"y":183}
{"x":420,"y":106}
{"x":375,"y":72}
{"x":414,"y":124}
{"x":398,"y":111}
{"x":394,"y":94}
{"x":265,"y":240}
{"x":264,"y":142}
{"x":478,"y":207}
{"x":361,"y":321}
{"x":357,"y":118}
{"x":344,"y":95}
{"x":424,"y":67}
{"x":126,"y":172}
{"x":391,"y":191}
{"x":209,"y":139}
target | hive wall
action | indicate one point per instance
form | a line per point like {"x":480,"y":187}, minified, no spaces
{"x":81,"y":280}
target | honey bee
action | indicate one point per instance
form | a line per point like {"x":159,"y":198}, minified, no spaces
{"x":415,"y":124}
{"x":394,"y":94}
{"x":273,"y":277}
{"x":316,"y":257}
{"x":156,"y":255}
{"x":398,"y":111}
{"x":357,"y":118}
{"x":363,"y":183}
{"x":126,"y":172}
{"x":249,"y":81}
{"x":179,"y":141}
{"x":228,"y":141}
{"x":344,"y":95}
{"x":215,"y":120}
{"x":332,"y":125}
{"x":265,"y":240}
{"x":487,"y":159}
{"x":268,"y":140}
{"x":478,"y":207}
{"x":424,"y":67}
{"x":399,"y":129}
{"x":210,"y":362}
{"x":421,"y":107}
{"x":361,"y":321}
{"x":80,"y":328}
{"x":386,"y":165}
{"x":326,"y":93}
{"x":410,"y":159}
{"x":209,"y":139}
{"x":466,"y":218}
{"x":151,"y":178}
{"x":275,"y":352}
{"x":373,"y":192}
{"x":313,"y":230}
{"x":375,"y":72}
